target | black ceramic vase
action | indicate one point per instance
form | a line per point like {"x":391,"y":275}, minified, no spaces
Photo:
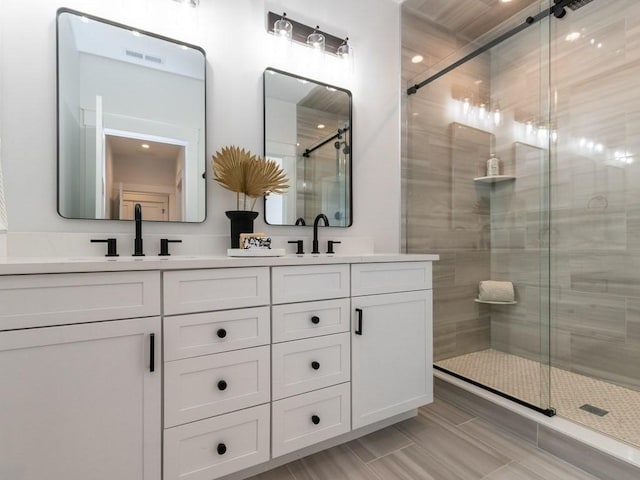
{"x":241,"y":222}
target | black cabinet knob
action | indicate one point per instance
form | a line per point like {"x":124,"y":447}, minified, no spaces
{"x":315,"y":419}
{"x":315,"y":365}
{"x":221,"y":449}
{"x":221,"y":333}
{"x":315,"y":320}
{"x":222,"y":385}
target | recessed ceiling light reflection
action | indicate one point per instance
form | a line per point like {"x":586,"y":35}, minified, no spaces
{"x":321,"y":126}
{"x":417,"y":59}
{"x":145,"y":146}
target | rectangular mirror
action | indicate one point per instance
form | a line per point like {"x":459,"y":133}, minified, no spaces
{"x":131,"y":123}
{"x":307,"y":130}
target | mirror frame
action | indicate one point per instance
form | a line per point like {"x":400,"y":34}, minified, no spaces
{"x":350,"y":133}
{"x":62,"y":10}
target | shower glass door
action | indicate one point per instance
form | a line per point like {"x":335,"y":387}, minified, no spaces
{"x":486,"y":227}
{"x":595,"y":217}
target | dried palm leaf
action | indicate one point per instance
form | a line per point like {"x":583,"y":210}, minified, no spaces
{"x":241,"y":172}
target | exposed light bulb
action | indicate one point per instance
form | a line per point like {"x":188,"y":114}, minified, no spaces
{"x":283,"y":28}
{"x":316,"y":40}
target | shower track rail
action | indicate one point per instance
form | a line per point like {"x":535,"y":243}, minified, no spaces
{"x":549,"y":412}
{"x":557,"y":10}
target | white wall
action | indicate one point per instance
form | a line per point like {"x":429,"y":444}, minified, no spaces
{"x":238,"y":49}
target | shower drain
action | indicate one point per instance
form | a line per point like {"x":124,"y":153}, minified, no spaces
{"x":595,"y":410}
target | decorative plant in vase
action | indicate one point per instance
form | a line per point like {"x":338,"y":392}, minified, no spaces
{"x":251,"y":177}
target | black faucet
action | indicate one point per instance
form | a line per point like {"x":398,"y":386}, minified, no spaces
{"x":137,"y":243}
{"x":300,"y":221}
{"x":323,"y":217}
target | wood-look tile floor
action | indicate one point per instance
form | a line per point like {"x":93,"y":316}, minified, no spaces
{"x":442,"y":443}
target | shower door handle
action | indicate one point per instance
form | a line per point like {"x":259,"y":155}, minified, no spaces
{"x":358,"y":330}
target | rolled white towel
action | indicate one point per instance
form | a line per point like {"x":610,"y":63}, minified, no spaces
{"x":494,"y":291}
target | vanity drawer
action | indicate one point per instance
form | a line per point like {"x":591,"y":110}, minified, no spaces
{"x":192,"y":451}
{"x":309,"y":282}
{"x":214,"y":332}
{"x":375,"y":278}
{"x":196,"y":388}
{"x":191,"y":291}
{"x":310,"y":319}
{"x":310,"y":364}
{"x":43,"y":300}
{"x":310,"y":418}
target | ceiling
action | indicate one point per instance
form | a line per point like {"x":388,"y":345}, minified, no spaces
{"x":467,"y":18}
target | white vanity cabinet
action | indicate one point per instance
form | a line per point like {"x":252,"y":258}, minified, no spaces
{"x":80,"y":398}
{"x":391,"y":339}
{"x":217,"y":374}
{"x":311,"y":355}
{"x":195,"y":370}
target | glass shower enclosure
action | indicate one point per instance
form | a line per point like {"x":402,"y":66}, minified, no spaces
{"x":555,"y":99}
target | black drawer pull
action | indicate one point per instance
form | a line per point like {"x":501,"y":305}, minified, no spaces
{"x":152,"y":352}
{"x":358,"y":330}
{"x":222,"y":385}
{"x":315,"y":319}
{"x":315,"y":365}
{"x":221,"y":333}
{"x":221,"y":448}
{"x":315,"y":419}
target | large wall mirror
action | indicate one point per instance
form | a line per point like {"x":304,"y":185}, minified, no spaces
{"x":307,"y":130}
{"x":131,"y":123}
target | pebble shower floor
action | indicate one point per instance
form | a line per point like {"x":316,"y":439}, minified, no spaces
{"x":523,"y":379}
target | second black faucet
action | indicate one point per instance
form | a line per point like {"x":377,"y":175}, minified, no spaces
{"x":323,"y":217}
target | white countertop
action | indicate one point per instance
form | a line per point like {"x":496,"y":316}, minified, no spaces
{"x":35,"y":265}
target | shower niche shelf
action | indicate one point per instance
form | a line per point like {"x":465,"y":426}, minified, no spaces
{"x":477,"y":300}
{"x":494,"y":179}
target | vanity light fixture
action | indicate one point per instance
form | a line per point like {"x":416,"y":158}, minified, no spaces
{"x":281,"y":25}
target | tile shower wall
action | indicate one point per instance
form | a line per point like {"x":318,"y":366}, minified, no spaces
{"x":594,"y":192}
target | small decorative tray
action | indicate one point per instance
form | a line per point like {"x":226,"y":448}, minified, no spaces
{"x":256,"y":252}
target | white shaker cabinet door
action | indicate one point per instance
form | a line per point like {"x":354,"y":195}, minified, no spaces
{"x":391,"y":355}
{"x":80,"y":402}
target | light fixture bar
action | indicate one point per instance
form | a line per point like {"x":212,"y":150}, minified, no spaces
{"x":302,"y":31}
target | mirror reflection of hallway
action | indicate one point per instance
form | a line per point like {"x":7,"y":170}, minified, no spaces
{"x":147,"y":172}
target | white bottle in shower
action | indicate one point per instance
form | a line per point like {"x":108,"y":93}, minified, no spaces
{"x":493,"y":166}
